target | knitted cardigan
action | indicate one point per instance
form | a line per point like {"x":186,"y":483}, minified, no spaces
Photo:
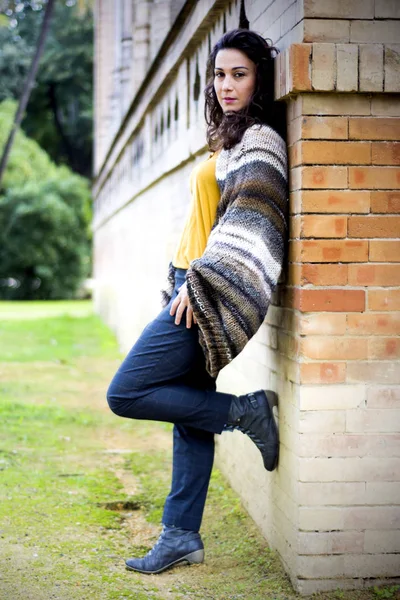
{"x":230,"y":285}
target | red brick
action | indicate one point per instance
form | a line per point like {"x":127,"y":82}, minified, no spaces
{"x":323,"y":372}
{"x":374,"y":128}
{"x":295,"y":202}
{"x":383,"y":397}
{"x":384,"y":348}
{"x":385,"y":153}
{"x":371,"y":68}
{"x":331,"y":201}
{"x":323,"y":274}
{"x":386,"y":178}
{"x":294,"y":131}
{"x":374,"y":275}
{"x":280,"y":76}
{"x":339,"y":9}
{"x":323,"y":227}
{"x":384,"y":251}
{"x":335,"y":153}
{"x":386,"y":372}
{"x":340,"y":300}
{"x":335,"y":348}
{"x":338,"y":104}
{"x":324,"y":323}
{"x":288,"y":345}
{"x":330,"y":128}
{"x":392,"y":60}
{"x":294,"y":227}
{"x":295,"y":177}
{"x":374,"y":31}
{"x":290,"y":297}
{"x":371,"y":227}
{"x":324,"y":177}
{"x":385,"y":202}
{"x":326,"y":30}
{"x":323,"y":67}
{"x":294,"y":251}
{"x":294,"y":274}
{"x":295,"y":154}
{"x":299,"y":67}
{"x":385,"y":105}
{"x":295,"y":107}
{"x":333,"y":251}
{"x":373,"y":324}
{"x":384,"y":300}
{"x":346,"y":67}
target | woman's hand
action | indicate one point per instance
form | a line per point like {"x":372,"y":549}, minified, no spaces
{"x":179,"y":305}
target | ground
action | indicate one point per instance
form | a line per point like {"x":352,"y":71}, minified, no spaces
{"x":81,"y":489}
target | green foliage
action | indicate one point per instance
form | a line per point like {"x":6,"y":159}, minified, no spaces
{"x":59,"y":113}
{"x":27,"y":162}
{"x":15,"y":57}
{"x":44,"y":223}
{"x":43,"y":238}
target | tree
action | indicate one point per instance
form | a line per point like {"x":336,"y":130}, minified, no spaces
{"x":15,"y":57}
{"x":27,"y":162}
{"x":44,"y":250}
{"x":59,"y":113}
{"x":27,"y":88}
{"x":44,"y":223}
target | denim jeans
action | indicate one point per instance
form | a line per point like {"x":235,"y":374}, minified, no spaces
{"x":164,"y":378}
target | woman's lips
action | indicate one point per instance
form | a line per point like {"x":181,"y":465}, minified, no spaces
{"x":229,"y":100}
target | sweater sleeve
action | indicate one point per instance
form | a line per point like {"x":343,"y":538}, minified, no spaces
{"x":230,"y":285}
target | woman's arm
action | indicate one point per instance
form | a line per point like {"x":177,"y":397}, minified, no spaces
{"x":230,"y":286}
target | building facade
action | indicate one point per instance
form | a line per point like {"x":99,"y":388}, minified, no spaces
{"x":330,"y":344}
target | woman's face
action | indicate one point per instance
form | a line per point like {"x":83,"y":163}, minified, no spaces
{"x":234,"y":79}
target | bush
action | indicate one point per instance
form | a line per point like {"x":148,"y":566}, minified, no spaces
{"x":45,"y":213}
{"x":27,"y":161}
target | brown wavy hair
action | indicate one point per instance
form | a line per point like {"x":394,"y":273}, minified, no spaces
{"x":224,"y":130}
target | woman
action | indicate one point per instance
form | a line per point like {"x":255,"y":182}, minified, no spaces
{"x":221,"y":279}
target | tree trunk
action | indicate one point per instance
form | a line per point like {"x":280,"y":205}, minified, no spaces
{"x":29,"y":83}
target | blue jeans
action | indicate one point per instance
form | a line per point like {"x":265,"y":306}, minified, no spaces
{"x":164,"y":378}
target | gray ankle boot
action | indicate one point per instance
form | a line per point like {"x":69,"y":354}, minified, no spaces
{"x":173,"y":547}
{"x":252,"y":414}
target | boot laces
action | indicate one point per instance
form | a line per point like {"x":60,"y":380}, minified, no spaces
{"x":251,"y":435}
{"x":160,"y":539}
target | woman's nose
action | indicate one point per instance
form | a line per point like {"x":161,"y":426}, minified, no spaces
{"x":227,"y":83}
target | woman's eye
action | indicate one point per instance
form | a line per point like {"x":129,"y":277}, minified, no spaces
{"x":239,"y":74}
{"x":218,"y":75}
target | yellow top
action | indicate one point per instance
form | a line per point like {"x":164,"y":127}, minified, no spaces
{"x":205,"y":197}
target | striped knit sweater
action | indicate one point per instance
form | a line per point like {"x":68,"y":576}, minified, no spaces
{"x":230,"y":285}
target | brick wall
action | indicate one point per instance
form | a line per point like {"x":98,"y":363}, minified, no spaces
{"x":342,"y":290}
{"x":343,"y":284}
{"x":329,"y":345}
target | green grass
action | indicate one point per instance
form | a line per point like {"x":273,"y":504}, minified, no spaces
{"x":81,"y":489}
{"x":33,"y":310}
{"x":61,"y":339}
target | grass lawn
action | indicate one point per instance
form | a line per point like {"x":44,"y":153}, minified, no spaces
{"x":36,"y":310}
{"x":81,"y":489}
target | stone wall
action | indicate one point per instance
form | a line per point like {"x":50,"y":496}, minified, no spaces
{"x":330,"y":344}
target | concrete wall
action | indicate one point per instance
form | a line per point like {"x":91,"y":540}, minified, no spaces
{"x":330,"y":345}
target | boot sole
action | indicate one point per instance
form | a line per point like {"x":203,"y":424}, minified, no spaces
{"x":194,"y":558}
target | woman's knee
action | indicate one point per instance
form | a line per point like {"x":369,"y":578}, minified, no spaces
{"x":118,"y":401}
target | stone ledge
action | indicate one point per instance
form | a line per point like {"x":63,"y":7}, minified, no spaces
{"x":322,"y":67}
